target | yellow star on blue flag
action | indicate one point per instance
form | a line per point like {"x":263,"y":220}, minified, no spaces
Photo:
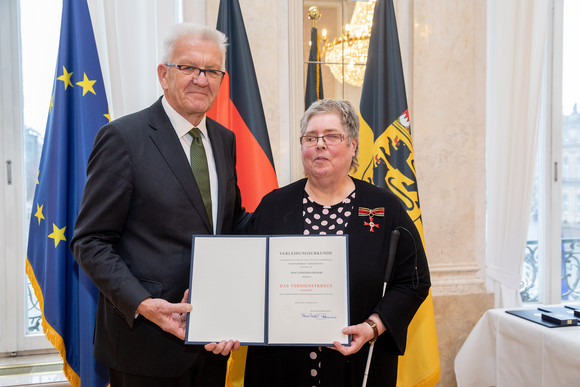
{"x":38,"y":213}
{"x":65,"y":77}
{"x":87,"y":85}
{"x":57,"y":234}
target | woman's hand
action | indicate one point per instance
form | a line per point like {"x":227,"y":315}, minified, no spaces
{"x":361,"y":333}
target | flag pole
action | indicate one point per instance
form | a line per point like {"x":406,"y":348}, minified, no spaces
{"x":314,"y":88}
{"x":390,"y":261}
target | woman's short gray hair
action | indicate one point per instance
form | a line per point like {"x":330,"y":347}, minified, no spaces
{"x":348,"y":119}
{"x":193,"y":30}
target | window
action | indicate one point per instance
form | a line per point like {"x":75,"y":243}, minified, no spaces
{"x":29,"y":44}
{"x":551,"y":270}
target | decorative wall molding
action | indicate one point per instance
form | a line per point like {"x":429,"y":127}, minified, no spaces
{"x":456,"y":279}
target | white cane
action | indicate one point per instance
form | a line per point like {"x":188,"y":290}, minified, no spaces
{"x":390,"y":261}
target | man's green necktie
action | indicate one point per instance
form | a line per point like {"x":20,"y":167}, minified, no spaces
{"x":200,"y":170}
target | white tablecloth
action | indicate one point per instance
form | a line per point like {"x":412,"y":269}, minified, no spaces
{"x":505,"y":350}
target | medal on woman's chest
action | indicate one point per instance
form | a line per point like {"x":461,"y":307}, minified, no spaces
{"x":379,"y":211}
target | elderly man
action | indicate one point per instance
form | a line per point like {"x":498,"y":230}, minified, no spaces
{"x":154,"y":178}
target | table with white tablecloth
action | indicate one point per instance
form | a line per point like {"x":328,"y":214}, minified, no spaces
{"x":506,"y":350}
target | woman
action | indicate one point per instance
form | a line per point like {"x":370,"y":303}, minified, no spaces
{"x":329,"y":201}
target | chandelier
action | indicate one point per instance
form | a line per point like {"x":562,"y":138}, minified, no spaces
{"x":346,"y":55}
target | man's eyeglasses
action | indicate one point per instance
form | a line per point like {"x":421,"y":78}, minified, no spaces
{"x":328,"y":139}
{"x":196,"y":71}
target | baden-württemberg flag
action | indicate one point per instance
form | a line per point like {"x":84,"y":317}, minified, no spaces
{"x":78,"y":108}
{"x":386,"y":159}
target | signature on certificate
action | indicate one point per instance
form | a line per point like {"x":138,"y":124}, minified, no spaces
{"x":318,"y":316}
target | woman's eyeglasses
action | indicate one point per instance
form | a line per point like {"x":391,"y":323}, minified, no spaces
{"x":328,"y":139}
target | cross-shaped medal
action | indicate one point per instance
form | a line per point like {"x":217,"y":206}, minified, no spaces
{"x":379,"y":211}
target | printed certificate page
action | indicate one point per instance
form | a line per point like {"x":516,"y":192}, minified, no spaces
{"x":308,"y":290}
{"x":227,"y":290}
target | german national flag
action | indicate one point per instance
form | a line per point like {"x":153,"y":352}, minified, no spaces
{"x":238,"y":107}
{"x":386,"y":160}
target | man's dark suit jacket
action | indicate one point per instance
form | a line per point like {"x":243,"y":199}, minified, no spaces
{"x":140,"y":207}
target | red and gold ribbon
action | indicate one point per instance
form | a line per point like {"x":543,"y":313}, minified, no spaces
{"x":379,"y":211}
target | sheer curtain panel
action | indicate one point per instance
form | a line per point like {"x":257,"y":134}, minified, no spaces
{"x":516,"y":60}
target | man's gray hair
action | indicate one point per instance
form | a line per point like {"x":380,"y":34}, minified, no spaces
{"x":193,"y":30}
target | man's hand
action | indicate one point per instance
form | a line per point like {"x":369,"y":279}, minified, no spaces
{"x":168,"y":316}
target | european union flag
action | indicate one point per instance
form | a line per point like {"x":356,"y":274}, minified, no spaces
{"x":78,"y":109}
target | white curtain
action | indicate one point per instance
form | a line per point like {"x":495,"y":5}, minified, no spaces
{"x":516,"y":58}
{"x":129,"y":36}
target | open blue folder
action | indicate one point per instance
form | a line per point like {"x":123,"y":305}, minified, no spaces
{"x":269,"y":290}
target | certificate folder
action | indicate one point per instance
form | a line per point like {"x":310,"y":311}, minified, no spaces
{"x":575,"y":309}
{"x":559,"y":318}
{"x":269,"y":290}
{"x":563,"y":315}
{"x":551,"y":316}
